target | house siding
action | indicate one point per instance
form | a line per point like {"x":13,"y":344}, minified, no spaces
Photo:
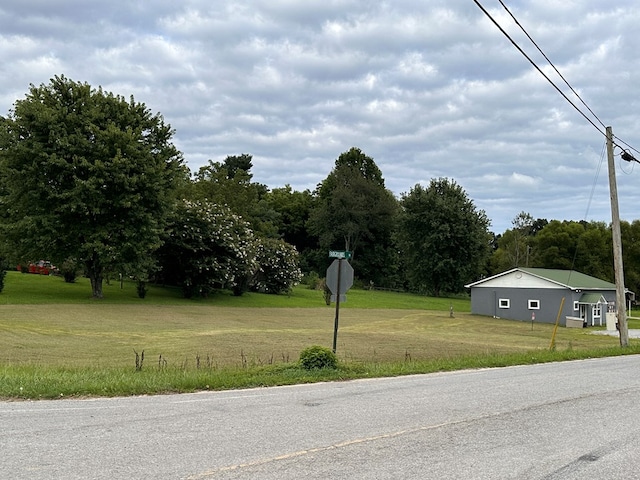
{"x":519,"y":286}
{"x":486,"y":301}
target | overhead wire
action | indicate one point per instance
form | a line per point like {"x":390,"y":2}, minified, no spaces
{"x":593,"y":189}
{"x":562,"y":76}
{"x":626,"y":144}
{"x":629,"y":157}
{"x":550,"y":62}
{"x":595,"y":179}
{"x":535,"y":65}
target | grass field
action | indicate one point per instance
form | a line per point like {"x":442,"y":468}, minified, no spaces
{"x":29,"y":289}
{"x":55,"y":339}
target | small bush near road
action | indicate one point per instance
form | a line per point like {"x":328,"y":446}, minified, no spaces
{"x":316,"y":357}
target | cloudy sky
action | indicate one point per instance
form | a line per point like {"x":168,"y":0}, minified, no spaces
{"x":427,"y":88}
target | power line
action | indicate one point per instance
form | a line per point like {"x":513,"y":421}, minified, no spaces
{"x":615,"y":215}
{"x":550,"y":63}
{"x":595,"y":180}
{"x":537,"y":67}
{"x":585,"y":116}
{"x":562,"y":76}
{"x":593,"y":189}
{"x":626,"y":144}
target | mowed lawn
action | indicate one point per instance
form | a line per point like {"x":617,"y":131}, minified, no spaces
{"x":46,"y":322}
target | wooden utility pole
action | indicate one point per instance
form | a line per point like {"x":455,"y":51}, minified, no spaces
{"x":621,"y":303}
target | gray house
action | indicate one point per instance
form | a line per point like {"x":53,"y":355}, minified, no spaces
{"x":536,"y":293}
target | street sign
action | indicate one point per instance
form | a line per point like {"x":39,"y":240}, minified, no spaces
{"x":346,"y":277}
{"x":346,"y":254}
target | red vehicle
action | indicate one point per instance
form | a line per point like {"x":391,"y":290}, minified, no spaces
{"x":43,"y":267}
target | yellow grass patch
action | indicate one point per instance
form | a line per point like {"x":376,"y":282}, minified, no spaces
{"x":107,"y":335}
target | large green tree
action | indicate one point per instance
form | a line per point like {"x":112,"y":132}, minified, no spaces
{"x":582,"y":246}
{"x":87,"y":175}
{"x":293,"y":209}
{"x":556,"y":244}
{"x":354,"y":211}
{"x":595,"y":251}
{"x":630,"y":253}
{"x":230,"y":183}
{"x":444,"y":239}
{"x":516,"y":246}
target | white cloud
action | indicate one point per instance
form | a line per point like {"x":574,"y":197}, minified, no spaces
{"x":519,"y":180}
{"x":428,"y":89}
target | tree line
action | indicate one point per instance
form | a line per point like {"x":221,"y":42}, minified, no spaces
{"x":93,"y":182}
{"x":578,"y":245}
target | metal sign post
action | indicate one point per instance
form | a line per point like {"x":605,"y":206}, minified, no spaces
{"x":335,"y":323}
{"x":339,"y":279}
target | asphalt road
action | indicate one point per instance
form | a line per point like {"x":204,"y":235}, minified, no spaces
{"x":571,"y":420}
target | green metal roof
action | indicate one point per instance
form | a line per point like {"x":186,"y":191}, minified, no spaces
{"x":591,"y":298}
{"x":570,"y":278}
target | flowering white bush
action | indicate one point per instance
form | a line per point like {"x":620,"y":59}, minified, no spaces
{"x":278,"y":268}
{"x":208,"y":247}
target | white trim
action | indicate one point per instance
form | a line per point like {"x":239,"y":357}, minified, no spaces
{"x":504,"y":303}
{"x":596,"y":313}
{"x":576,"y":306}
{"x":531,"y":304}
{"x":473,"y":284}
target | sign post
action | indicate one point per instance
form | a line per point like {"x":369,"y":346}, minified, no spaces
{"x":335,"y":323}
{"x":339,"y":279}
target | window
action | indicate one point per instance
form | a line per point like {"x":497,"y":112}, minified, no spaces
{"x":597,"y":311}
{"x":504,"y":303}
{"x":575,"y":306}
{"x":534,"y":304}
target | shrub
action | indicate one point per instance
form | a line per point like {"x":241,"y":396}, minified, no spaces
{"x":278,"y":269}
{"x":69,"y":270}
{"x":316,"y":357}
{"x":312,"y":280}
{"x":141,"y":288}
{"x":207,"y":247}
{"x":326,"y":292}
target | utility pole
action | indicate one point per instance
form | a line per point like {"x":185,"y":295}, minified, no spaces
{"x":621,"y":304}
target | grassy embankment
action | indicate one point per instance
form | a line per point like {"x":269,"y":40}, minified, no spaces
{"x":56,"y":341}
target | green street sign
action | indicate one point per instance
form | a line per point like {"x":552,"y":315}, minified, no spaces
{"x":340,"y":254}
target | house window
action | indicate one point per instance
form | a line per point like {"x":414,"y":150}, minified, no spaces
{"x":534,"y":304}
{"x":575,"y":306}
{"x":504,"y":303}
{"x":597,"y":311}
